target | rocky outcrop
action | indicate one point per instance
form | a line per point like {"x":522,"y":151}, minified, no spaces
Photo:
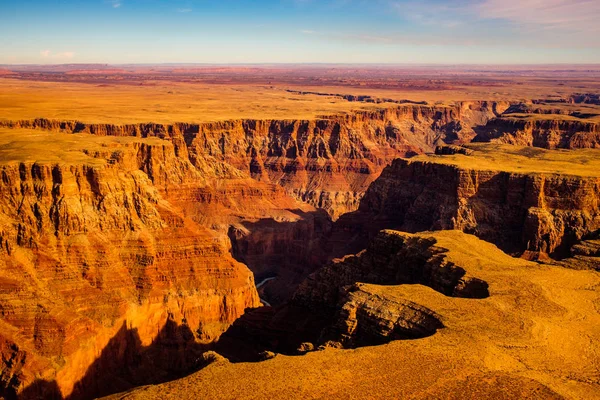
{"x":366,"y":319}
{"x":547,"y":133}
{"x":328,"y":163}
{"x":583,"y":255}
{"x":518,"y":211}
{"x":576,"y":98}
{"x":537,"y":326}
{"x":392,"y":258}
{"x":333,"y":307}
{"x":361,"y":317}
{"x":98,"y":269}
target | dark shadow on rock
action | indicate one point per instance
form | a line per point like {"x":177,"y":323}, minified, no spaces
{"x":279,"y":329}
{"x":125,"y":363}
{"x":38,"y":390}
{"x":289,"y":250}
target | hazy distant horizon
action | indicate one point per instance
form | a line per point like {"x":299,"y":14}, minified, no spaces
{"x":323,"y":64}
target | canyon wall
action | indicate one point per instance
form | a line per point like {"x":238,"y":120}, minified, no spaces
{"x":98,"y":268}
{"x":327,"y":163}
{"x":546,"y":133}
{"x":518,"y":211}
{"x":357,"y":317}
{"x":532,"y":326}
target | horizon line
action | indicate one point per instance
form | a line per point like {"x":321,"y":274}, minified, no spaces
{"x":293,"y":63}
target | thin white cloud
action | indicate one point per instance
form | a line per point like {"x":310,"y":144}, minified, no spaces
{"x":307,"y":32}
{"x":546,"y":23}
{"x":431,"y":14}
{"x":574,"y":15}
{"x":184,"y":10}
{"x":45,"y":53}
{"x":115,"y":3}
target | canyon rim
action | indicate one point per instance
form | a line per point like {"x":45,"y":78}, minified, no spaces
{"x":334,"y":200}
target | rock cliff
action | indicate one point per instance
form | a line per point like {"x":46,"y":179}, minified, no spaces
{"x":547,"y":133}
{"x":98,"y":269}
{"x":518,"y":198}
{"x":327,"y":163}
{"x":392,"y":258}
{"x":568,"y":123}
{"x":531,"y":336}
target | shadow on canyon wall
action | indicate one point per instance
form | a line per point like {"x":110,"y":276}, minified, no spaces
{"x":125,"y":363}
{"x":289,"y":250}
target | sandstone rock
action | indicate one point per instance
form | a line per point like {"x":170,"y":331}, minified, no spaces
{"x":367,"y":319}
{"x":451,"y":150}
{"x":547,"y":133}
{"x":328,"y":163}
{"x":538,"y":325}
{"x":211,"y":357}
{"x":517,"y":198}
{"x":306,"y":347}
{"x":267,"y":355}
{"x":100,"y":270}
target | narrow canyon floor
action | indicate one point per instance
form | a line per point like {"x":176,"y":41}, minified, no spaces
{"x":299,"y":233}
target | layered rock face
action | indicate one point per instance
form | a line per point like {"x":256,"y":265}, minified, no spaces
{"x":545,"y":133}
{"x":102,"y":275}
{"x":547,"y":124}
{"x":334,"y":308}
{"x":392,"y":258}
{"x":327,"y":163}
{"x":532,"y":326}
{"x":517,"y":209}
{"x":286,"y":251}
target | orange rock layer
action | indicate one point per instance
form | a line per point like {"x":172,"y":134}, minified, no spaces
{"x":327,"y":163}
{"x":518,"y":211}
{"x":93,"y":254}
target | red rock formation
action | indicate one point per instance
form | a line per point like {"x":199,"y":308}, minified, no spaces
{"x":517,"y":211}
{"x":330,"y":309}
{"x":546,"y":133}
{"x":328,"y":163}
{"x":391,"y":258}
{"x":90,"y":249}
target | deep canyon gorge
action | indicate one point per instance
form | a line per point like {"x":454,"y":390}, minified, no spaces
{"x":130,"y":252}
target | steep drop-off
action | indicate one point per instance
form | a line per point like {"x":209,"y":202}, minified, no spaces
{"x":327,"y":163}
{"x":532,"y":335}
{"x":546,"y":133}
{"x":105,"y":283}
{"x":522,"y":199}
{"x":551,"y":124}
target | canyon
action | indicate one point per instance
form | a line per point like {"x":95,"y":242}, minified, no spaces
{"x":381,"y":235}
{"x":327,"y":163}
{"x":528,"y":201}
{"x":532,"y":337}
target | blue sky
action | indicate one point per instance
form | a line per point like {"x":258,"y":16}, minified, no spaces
{"x":292,"y":31}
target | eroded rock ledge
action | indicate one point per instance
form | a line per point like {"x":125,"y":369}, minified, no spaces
{"x":333,"y":307}
{"x":537,"y":326}
{"x":106,"y":283}
{"x":328,"y":163}
{"x":521,"y":199}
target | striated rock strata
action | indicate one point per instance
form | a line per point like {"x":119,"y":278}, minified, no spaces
{"x":533,"y":337}
{"x":328,"y":163}
{"x":546,"y":133}
{"x":101,"y":275}
{"x":518,"y":198}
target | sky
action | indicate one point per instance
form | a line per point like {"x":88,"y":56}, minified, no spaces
{"x":300,"y":31}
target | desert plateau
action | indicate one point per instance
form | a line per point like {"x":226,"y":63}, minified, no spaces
{"x":280,"y":211}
